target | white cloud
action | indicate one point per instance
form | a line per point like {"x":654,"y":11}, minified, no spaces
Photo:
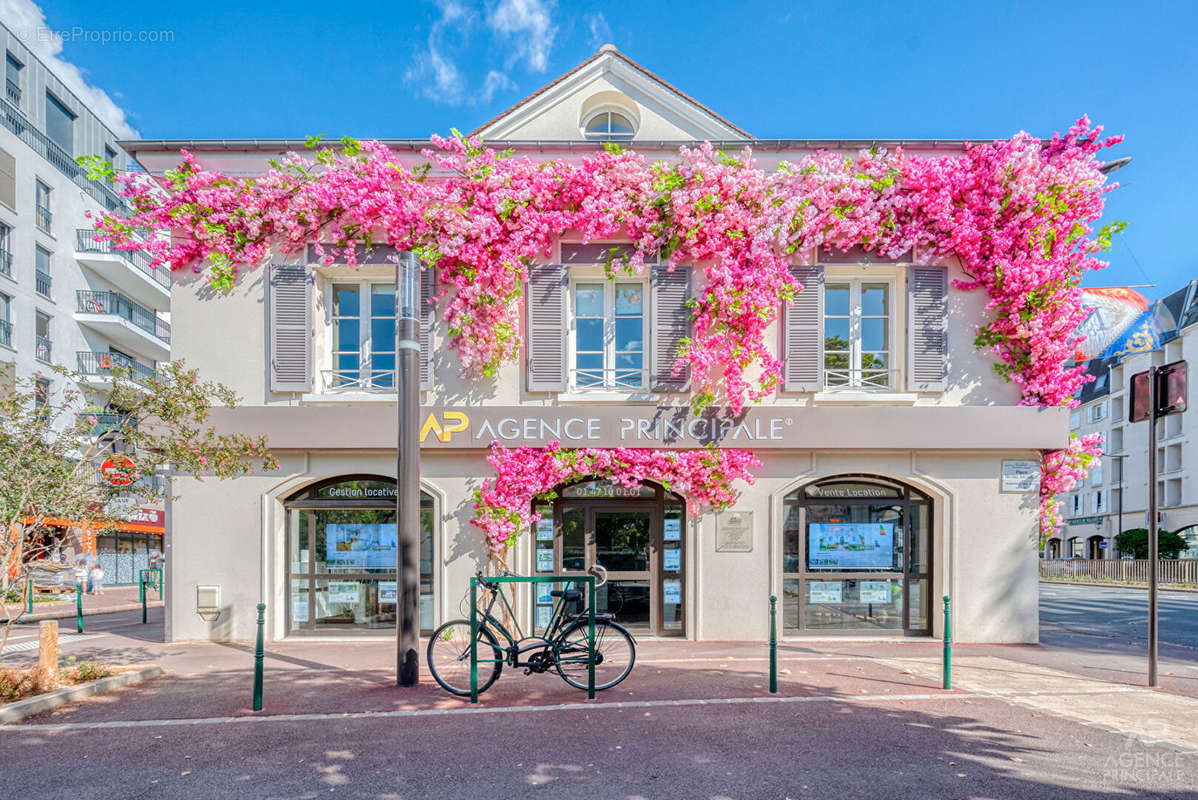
{"x":28,"y":22}
{"x":528,"y":28}
{"x":436,"y":72}
{"x":495,"y":81}
{"x":599,"y":32}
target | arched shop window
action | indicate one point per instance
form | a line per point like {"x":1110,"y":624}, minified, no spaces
{"x":856,"y":556}
{"x":341,"y":545}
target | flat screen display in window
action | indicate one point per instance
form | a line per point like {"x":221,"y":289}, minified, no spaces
{"x":851,"y":545}
{"x":360,"y":544}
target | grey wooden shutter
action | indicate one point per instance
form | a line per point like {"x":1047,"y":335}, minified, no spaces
{"x":670,"y":324}
{"x":545,"y":346}
{"x":428,"y":284}
{"x":8,"y":179}
{"x":927,"y":329}
{"x":290,"y":304}
{"x":803,"y":333}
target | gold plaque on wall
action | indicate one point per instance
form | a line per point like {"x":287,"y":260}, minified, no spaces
{"x":734,"y":532}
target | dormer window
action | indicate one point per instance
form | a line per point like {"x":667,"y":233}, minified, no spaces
{"x":609,"y":126}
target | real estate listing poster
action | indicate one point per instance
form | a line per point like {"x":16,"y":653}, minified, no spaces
{"x":360,"y":544}
{"x":850,"y":545}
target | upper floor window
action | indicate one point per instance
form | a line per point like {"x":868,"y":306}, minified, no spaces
{"x":857,"y":335}
{"x":110,"y":155}
{"x":5,"y":320}
{"x":43,"y":217}
{"x":1075,"y":505}
{"x":363,"y":336}
{"x":60,"y":124}
{"x":12,"y":83}
{"x":41,"y":333}
{"x":5,"y":250}
{"x":609,"y":332}
{"x":1096,"y":473}
{"x":1096,"y":412}
{"x":609,"y":126}
{"x":41,"y":273}
{"x":1075,"y":420}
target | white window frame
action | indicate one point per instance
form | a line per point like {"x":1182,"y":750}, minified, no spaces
{"x":1075,"y":420}
{"x":365,"y":380}
{"x":856,"y":381}
{"x":1096,"y":412}
{"x":608,"y":108}
{"x":1075,"y":505}
{"x":1100,"y":502}
{"x":596,"y":275}
{"x":1096,"y":473}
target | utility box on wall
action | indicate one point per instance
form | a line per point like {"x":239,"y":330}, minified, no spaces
{"x":208,"y":602}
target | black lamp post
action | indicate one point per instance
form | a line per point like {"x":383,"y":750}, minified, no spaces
{"x":407,"y":469}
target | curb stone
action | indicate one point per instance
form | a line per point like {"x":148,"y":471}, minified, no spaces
{"x":38,"y":704}
{"x":87,"y":612}
{"x":1163,"y":587}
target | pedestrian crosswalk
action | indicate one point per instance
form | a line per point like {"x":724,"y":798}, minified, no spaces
{"x":21,"y":647}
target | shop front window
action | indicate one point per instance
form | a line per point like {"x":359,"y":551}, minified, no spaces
{"x":342,"y":557}
{"x":856,"y":557}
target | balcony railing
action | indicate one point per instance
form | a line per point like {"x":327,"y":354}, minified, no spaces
{"x":145,"y":485}
{"x":609,"y":379}
{"x":42,"y":282}
{"x":364,"y":380}
{"x":5,"y":333}
{"x":115,"y":303}
{"x":19,"y":124}
{"x":42,"y":349}
{"x":859,"y":380}
{"x":5,"y":262}
{"x":86,"y":241}
{"x":44,"y":218}
{"x":103,"y":364}
{"x":13,"y":92}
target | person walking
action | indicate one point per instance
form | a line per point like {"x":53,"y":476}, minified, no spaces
{"x":96,"y":578}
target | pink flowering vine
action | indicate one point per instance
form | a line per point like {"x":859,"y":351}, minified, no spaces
{"x":1018,"y":215}
{"x":1061,"y":470}
{"x":524,"y":475}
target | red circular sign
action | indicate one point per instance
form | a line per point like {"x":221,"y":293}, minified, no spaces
{"x":118,"y":470}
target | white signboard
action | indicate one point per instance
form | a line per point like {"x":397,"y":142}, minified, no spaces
{"x":343,"y":591}
{"x":1020,"y":476}
{"x":671,"y":591}
{"x":544,"y":614}
{"x":543,"y":596}
{"x":299,"y":608}
{"x":544,"y":561}
{"x":388,"y":592}
{"x":672,"y":560}
{"x":673,"y":530}
{"x":823,"y":591}
{"x":875,"y":591}
{"x":545,"y":529}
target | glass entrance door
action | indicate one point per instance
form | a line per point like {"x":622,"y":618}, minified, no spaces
{"x":640,"y":544}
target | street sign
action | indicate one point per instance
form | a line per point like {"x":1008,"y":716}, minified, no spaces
{"x":1170,"y":392}
{"x":118,"y":470}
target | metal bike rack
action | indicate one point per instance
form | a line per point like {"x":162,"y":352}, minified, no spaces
{"x":589,"y":580}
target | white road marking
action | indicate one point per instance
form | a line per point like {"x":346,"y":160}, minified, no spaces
{"x":25,"y":646}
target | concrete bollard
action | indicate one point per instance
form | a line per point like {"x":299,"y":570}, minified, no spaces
{"x":46,"y":676}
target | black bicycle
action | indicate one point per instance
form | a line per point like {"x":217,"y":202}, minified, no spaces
{"x":563,"y":647}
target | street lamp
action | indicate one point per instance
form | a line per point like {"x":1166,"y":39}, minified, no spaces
{"x":407,"y":469}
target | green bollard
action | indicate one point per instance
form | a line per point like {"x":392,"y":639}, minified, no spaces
{"x":259,"y":654}
{"x":948,"y":645}
{"x":773,"y":644}
{"x":141,"y":586}
{"x":79,"y":607}
{"x":29,"y":587}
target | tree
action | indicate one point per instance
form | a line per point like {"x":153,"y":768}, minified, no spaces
{"x":1135,"y":541}
{"x":64,"y":456}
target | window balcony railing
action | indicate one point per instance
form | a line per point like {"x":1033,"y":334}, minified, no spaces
{"x":87,"y":241}
{"x":358,"y":380}
{"x":104,"y":364}
{"x":609,"y":379}
{"x":115,"y":303}
{"x":5,"y":262}
{"x":12,"y":118}
{"x":145,"y":485}
{"x":42,"y":283}
{"x":43,"y":217}
{"x":5,"y":333}
{"x":860,"y":380}
{"x":13,"y":92}
{"x":43,"y":349}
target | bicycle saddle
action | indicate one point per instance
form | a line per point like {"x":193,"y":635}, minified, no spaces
{"x":570,"y":595}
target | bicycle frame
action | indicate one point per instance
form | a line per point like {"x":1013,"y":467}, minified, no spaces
{"x":513,"y":649}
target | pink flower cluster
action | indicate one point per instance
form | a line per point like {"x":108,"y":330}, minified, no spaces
{"x":1061,"y":470}
{"x":525,"y":475}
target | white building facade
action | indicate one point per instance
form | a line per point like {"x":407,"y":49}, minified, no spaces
{"x":67,"y":299}
{"x":908,"y":456}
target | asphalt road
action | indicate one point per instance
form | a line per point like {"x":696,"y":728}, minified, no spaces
{"x":1116,"y":611}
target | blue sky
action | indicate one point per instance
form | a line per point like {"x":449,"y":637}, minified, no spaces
{"x":803,"y":69}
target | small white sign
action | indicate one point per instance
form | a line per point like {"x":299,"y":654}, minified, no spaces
{"x":544,"y":614}
{"x":543,"y":596}
{"x":299,"y":608}
{"x":823,"y":592}
{"x":545,"y":529}
{"x":673,"y":530}
{"x":673,"y":560}
{"x":875,"y":591}
{"x":388,"y":592}
{"x":1020,"y":476}
{"x":544,"y":561}
{"x":671,"y":591}
{"x":343,"y":591}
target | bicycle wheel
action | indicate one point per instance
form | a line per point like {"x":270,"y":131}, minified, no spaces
{"x":449,"y":657}
{"x":615,"y":653}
